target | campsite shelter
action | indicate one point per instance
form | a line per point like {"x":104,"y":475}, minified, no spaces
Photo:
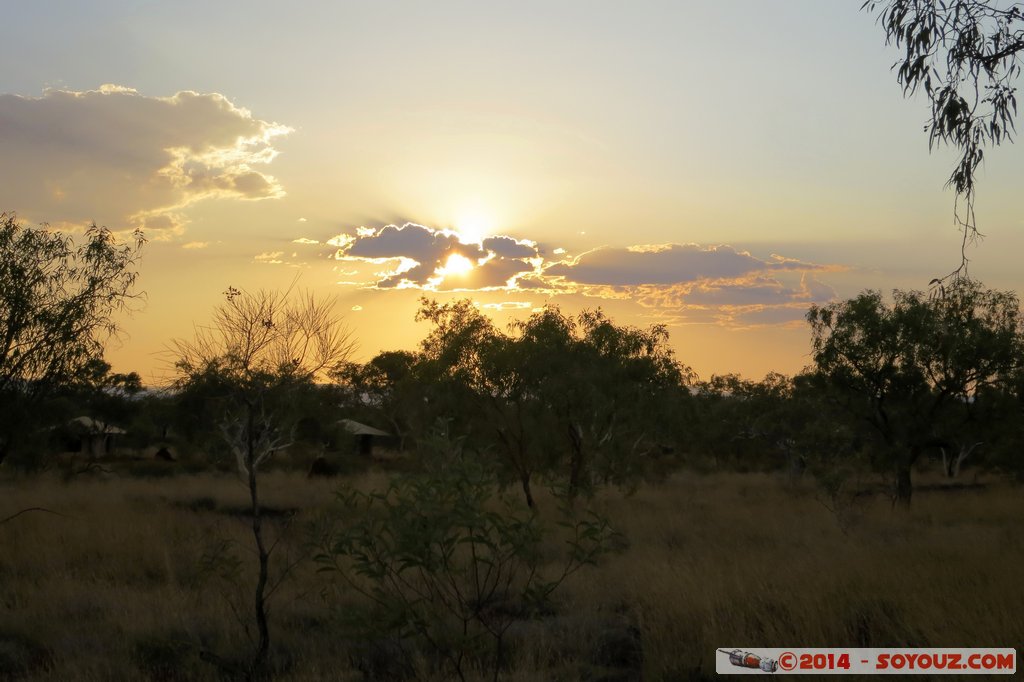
{"x":96,"y":437}
{"x":364,"y":433}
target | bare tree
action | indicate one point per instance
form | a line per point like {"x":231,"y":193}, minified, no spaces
{"x":259,"y":349}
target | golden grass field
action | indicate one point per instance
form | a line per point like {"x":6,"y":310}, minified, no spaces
{"x":114,"y":588}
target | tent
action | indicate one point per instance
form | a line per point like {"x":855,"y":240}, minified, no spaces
{"x":365,"y":434}
{"x":96,"y":437}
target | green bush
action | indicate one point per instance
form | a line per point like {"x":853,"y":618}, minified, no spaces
{"x":444,"y":559}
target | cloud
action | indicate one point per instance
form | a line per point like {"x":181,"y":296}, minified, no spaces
{"x":665,"y":264}
{"x":713,"y":284}
{"x":421,"y":257}
{"x":495,"y":273}
{"x":509,"y":305}
{"x":128,"y":160}
{"x":305,"y":240}
{"x":688,"y":283}
{"x":508,"y":247}
{"x":269,"y":257}
{"x":758,"y":290}
{"x":195,"y":245}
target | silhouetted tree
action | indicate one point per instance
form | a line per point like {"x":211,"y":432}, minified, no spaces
{"x":387,"y":388}
{"x":912,"y":370}
{"x":58,"y":306}
{"x":576,"y":398}
{"x":748,"y":420}
{"x":450,"y":368}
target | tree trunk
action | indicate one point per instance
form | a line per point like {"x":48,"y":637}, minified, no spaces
{"x":525,"y":479}
{"x":263,"y":646}
{"x":258,"y":667}
{"x":904,"y":488}
{"x":576,"y":463}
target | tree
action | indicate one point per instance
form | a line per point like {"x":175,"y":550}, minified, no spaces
{"x":450,"y":368}
{"x":261,"y":349}
{"x":578,"y":397}
{"x":613,"y":398}
{"x":579,"y":393}
{"x":965,"y":55}
{"x":748,"y":419}
{"x":58,"y":306}
{"x":517,"y":373}
{"x":387,"y":387}
{"x":912,"y":370}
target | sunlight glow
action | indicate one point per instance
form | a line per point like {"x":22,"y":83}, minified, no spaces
{"x":474,"y":226}
{"x":456,"y":264}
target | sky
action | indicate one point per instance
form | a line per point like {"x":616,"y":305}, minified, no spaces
{"x":713,"y":167}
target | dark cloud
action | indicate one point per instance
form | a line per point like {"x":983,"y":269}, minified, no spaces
{"x":418,"y":242}
{"x":494,"y":273}
{"x":817,"y":291}
{"x":694,"y":283}
{"x":507,"y":247}
{"x":668,"y":264}
{"x":127,"y":160}
{"x":715,"y":283}
{"x":425,"y":253}
{"x":416,"y":275}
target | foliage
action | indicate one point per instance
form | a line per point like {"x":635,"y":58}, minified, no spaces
{"x":914,"y":370}
{"x":576,"y":399}
{"x":58,"y":306}
{"x":746,"y":420}
{"x":965,"y":55}
{"x":450,"y":370}
{"x":387,"y":385}
{"x":445,"y":559}
{"x":581,"y":398}
{"x":108,"y":397}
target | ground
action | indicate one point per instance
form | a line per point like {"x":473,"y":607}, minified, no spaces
{"x":126,"y":582}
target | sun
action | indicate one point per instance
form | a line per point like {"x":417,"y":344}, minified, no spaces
{"x":457,"y":265}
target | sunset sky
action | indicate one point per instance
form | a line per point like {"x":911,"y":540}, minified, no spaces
{"x":715,"y":167}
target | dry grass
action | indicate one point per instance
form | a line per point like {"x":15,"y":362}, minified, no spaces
{"x":115,"y":588}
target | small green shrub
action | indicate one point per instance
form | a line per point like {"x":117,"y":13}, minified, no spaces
{"x":443,"y":558}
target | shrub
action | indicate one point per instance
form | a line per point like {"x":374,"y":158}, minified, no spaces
{"x":446,"y":560}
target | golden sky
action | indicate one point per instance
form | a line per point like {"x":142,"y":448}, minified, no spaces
{"x":715,"y":167}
